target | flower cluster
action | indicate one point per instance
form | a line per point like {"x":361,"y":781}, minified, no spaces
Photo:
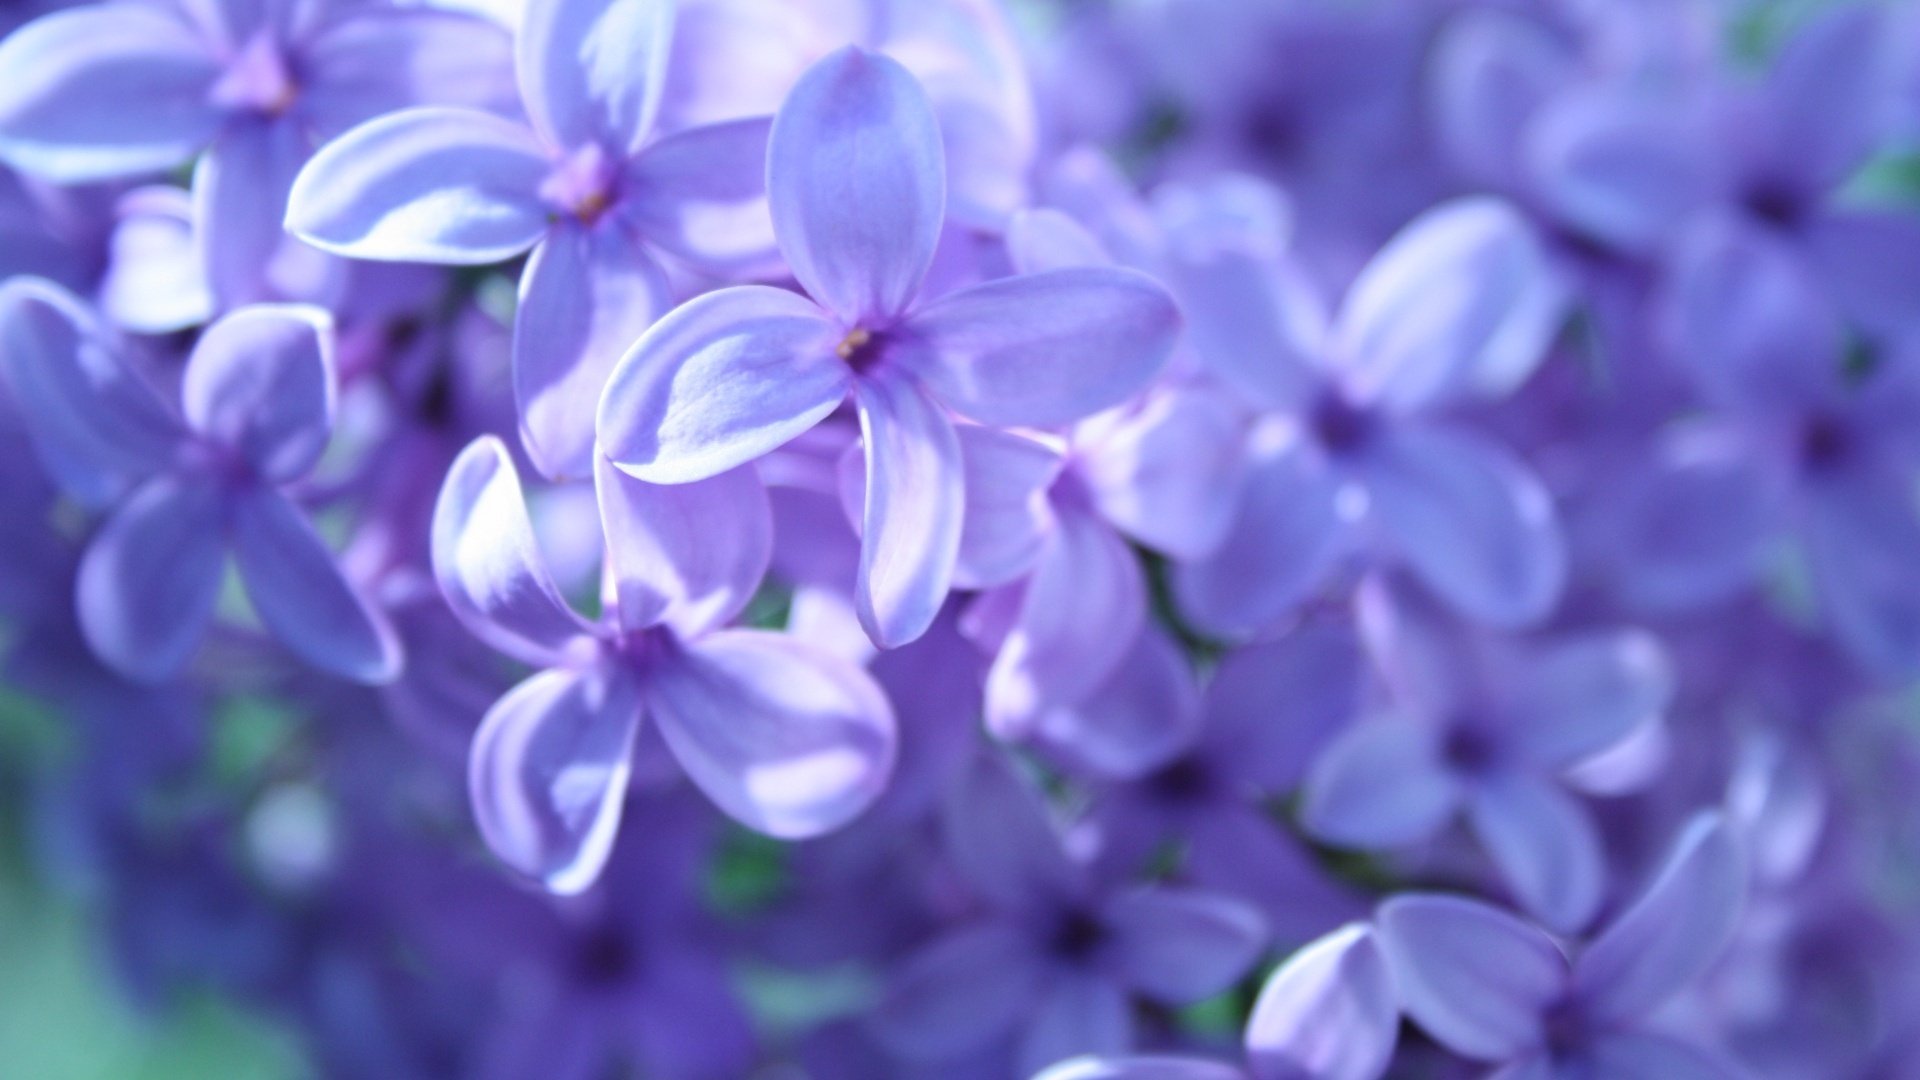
{"x":1187,"y":540}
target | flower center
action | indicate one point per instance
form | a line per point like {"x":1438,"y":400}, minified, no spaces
{"x":861,"y":348}
{"x":258,"y":80}
{"x":1341,"y":426}
{"x":1470,"y":748}
{"x":605,"y":957}
{"x":1824,"y":442}
{"x":1186,"y":780}
{"x":1078,"y":935}
{"x":584,"y":185}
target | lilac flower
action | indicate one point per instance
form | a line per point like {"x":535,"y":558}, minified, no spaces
{"x":1139,"y":1068}
{"x":257,"y":410}
{"x":856,"y":180}
{"x":1494,"y":989}
{"x":589,"y":185}
{"x":1796,"y":446}
{"x":787,"y":739}
{"x":103,"y":91}
{"x":1459,"y":303}
{"x":1485,"y":731}
{"x":1053,"y":961}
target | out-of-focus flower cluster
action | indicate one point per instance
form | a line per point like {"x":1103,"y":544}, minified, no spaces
{"x":1153,"y":540}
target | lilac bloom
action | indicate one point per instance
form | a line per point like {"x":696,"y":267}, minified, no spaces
{"x":589,"y":185}
{"x":1156,"y":1067}
{"x":256,"y":412}
{"x":1459,"y":304}
{"x":1329,"y":1013}
{"x":1055,"y":959}
{"x":856,"y":179}
{"x":103,"y":91}
{"x":1795,"y":446}
{"x":788,"y":739}
{"x":1494,"y":989}
{"x":1484,"y":731}
{"x":1268,"y":712}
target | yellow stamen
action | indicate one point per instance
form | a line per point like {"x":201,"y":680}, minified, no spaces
{"x":855,"y":340}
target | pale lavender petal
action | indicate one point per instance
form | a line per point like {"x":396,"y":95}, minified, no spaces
{"x":1139,"y":718}
{"x":1273,"y":706}
{"x":1583,"y":695}
{"x":586,"y":296}
{"x":1545,"y":845}
{"x":154,"y":283}
{"x":957,"y":993}
{"x":1461,"y":298}
{"x":1140,"y":1068}
{"x":105,"y":91}
{"x":488,"y":562}
{"x":1286,"y":537}
{"x":915,"y":492}
{"x":1830,"y":94}
{"x":1470,"y":520}
{"x":261,"y":383}
{"x":150,"y":576}
{"x":1047,"y":239}
{"x":384,"y":59}
{"x":431,"y":184}
{"x":1381,"y":784}
{"x":718,"y":382}
{"x":1329,"y":1013}
{"x":301,"y":595}
{"x":1255,"y":321}
{"x":1082,"y":609}
{"x":786,"y":738}
{"x":1673,"y":931}
{"x":856,"y":178}
{"x":1078,"y":1013}
{"x":1475,"y":978}
{"x":1646,"y":1056}
{"x":240,"y":205}
{"x":1491,"y":70}
{"x":1002,"y":840}
{"x":1178,"y":946}
{"x":1046,"y":349}
{"x":1170,"y":473}
{"x":77,"y":397}
{"x":548,"y":774}
{"x":1860,"y":533}
{"x":690,"y":555}
{"x":1864,"y":255}
{"x":1691,"y":526}
{"x":1008,"y":516}
{"x":1241,"y":849}
{"x":1619,"y":165}
{"x":702,"y":194}
{"x":592,"y":71}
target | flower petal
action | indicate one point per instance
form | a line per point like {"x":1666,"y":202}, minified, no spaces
{"x":1545,"y":845}
{"x":1045,"y":349}
{"x":1583,"y":695}
{"x":488,"y":563}
{"x":702,"y":194}
{"x":910,"y":532}
{"x":591,"y":71}
{"x":301,"y":596}
{"x":1273,"y":706}
{"x":690,"y":555}
{"x":1153,"y":1067}
{"x":958,"y":993}
{"x":1139,"y":718}
{"x":1379,"y":785}
{"x":1470,"y":520}
{"x":384,"y":59}
{"x":240,"y":206}
{"x":1079,"y":1012}
{"x":548,"y":774}
{"x":586,"y":296}
{"x":856,"y":178}
{"x":1673,"y":931}
{"x":1461,"y":298}
{"x":78,"y":399}
{"x":1081,"y":612}
{"x":430,"y":184}
{"x":154,"y":283}
{"x":1860,"y":531}
{"x":721,"y":380}
{"x":1008,"y":516}
{"x":149,"y":578}
{"x":1170,"y":473}
{"x":1287,"y":534}
{"x":1831,"y":92}
{"x":1178,"y":945}
{"x":1618,"y":165}
{"x":261,"y":382}
{"x":1644,"y":1056}
{"x":789,"y":740}
{"x":1475,"y":978}
{"x":1329,"y":1013}
{"x":104,"y":91}
{"x":1001,"y":838}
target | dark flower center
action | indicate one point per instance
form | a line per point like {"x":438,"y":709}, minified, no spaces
{"x":1825,"y":442}
{"x":1341,"y":426}
{"x":1186,"y":780}
{"x":1565,"y":1025}
{"x":605,"y":957}
{"x":861,"y":348}
{"x":1470,"y":748}
{"x":1775,"y":203}
{"x":1077,"y":935}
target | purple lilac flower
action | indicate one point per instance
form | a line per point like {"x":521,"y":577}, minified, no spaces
{"x":192,"y":485}
{"x":857,"y":182}
{"x":588,"y":184}
{"x":785,"y":737}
